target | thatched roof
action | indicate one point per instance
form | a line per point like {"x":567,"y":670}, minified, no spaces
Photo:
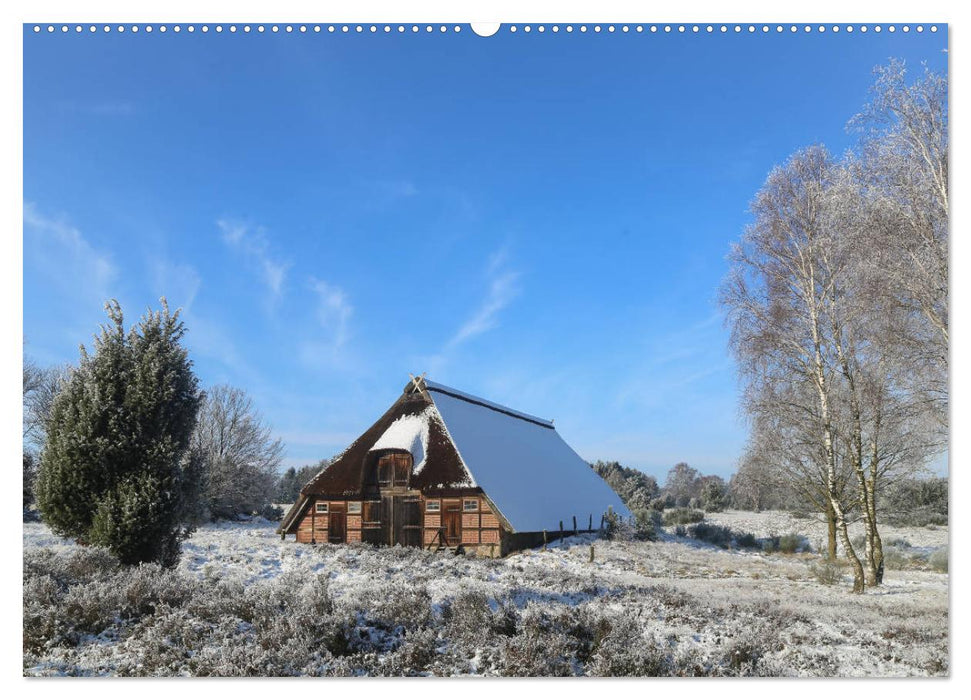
{"x":462,"y":442}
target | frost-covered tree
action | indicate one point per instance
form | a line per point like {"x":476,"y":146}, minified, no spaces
{"x":755,"y":485}
{"x":293,"y":479}
{"x":902,"y":172}
{"x":41,"y":386}
{"x":837,"y":301}
{"x":112,"y":468}
{"x":635,"y":488}
{"x":682,"y":484}
{"x":30,"y":475}
{"x":714,"y":494}
{"x":785,"y":308}
{"x":237,"y":455}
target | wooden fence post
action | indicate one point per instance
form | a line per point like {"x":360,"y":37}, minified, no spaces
{"x":590,"y":524}
{"x":591,"y":554}
{"x":575,"y":526}
{"x":561,"y":529}
{"x":544,"y":540}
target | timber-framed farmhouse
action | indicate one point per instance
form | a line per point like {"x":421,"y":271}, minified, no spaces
{"x":442,"y":468}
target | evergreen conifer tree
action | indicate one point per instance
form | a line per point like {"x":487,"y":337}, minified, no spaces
{"x":114,"y":468}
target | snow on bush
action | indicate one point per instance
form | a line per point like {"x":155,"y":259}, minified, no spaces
{"x":243,"y":603}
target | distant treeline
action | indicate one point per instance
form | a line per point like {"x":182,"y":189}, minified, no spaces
{"x":914,"y":502}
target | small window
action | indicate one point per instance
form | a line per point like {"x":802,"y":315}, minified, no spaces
{"x":322,"y":507}
{"x":394,"y":469}
{"x":372,"y":512}
{"x":433,"y":506}
{"x":354,"y":507}
{"x":470,"y":504}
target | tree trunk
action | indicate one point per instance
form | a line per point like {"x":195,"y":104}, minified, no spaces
{"x":859,"y":577}
{"x":831,"y":528}
{"x":873,"y":534}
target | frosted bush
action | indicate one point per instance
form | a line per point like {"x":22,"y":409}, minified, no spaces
{"x":539,"y":648}
{"x":827,"y":572}
{"x":938,"y":560}
{"x":683,"y":516}
{"x":621,"y":649}
{"x":241,"y":603}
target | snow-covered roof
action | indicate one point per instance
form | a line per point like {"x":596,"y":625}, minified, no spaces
{"x":441,"y":388}
{"x":461,"y":441}
{"x":407,"y":433}
{"x":528,"y":471}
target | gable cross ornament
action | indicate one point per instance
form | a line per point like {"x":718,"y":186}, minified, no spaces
{"x":416,"y":382}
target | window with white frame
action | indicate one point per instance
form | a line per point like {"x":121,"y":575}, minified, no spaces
{"x":354,"y":507}
{"x":322,"y":507}
{"x":433,"y":506}
{"x":470,"y":504}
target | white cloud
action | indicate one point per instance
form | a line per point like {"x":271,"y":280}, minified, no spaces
{"x":67,"y":258}
{"x":252,"y":243}
{"x":503,"y":289}
{"x":333,"y":311}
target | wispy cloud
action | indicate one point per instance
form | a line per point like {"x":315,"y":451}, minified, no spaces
{"x":333,"y":311}
{"x":253,"y":244}
{"x":67,"y":257}
{"x":502,"y":289}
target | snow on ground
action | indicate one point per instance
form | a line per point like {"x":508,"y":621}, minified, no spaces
{"x":814,"y":528}
{"x":673,"y":607}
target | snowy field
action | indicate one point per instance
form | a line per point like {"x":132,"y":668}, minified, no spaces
{"x":241,"y":602}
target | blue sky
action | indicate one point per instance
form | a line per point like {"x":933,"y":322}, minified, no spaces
{"x":538,"y":219}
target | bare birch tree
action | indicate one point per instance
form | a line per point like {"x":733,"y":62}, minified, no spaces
{"x":776,"y":298}
{"x":236,"y":454}
{"x":838,"y":306}
{"x":903,"y":174}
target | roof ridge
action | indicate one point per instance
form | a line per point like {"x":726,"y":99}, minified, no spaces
{"x":485,"y":403}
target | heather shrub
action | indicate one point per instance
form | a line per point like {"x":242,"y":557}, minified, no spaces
{"x":744,"y":655}
{"x":938,"y":559}
{"x":413,"y":657}
{"x":467,"y":616}
{"x":683,"y":516}
{"x":621,"y":649}
{"x":826,"y":572}
{"x":792,"y":543}
{"x":894,"y":558}
{"x":718,"y":535}
{"x":539,"y":648}
{"x":393,"y":607}
{"x":746,"y":540}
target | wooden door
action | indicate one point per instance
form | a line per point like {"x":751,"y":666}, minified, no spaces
{"x":337,"y":531}
{"x":452,"y":522}
{"x":401,"y":520}
{"x":407,"y":521}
